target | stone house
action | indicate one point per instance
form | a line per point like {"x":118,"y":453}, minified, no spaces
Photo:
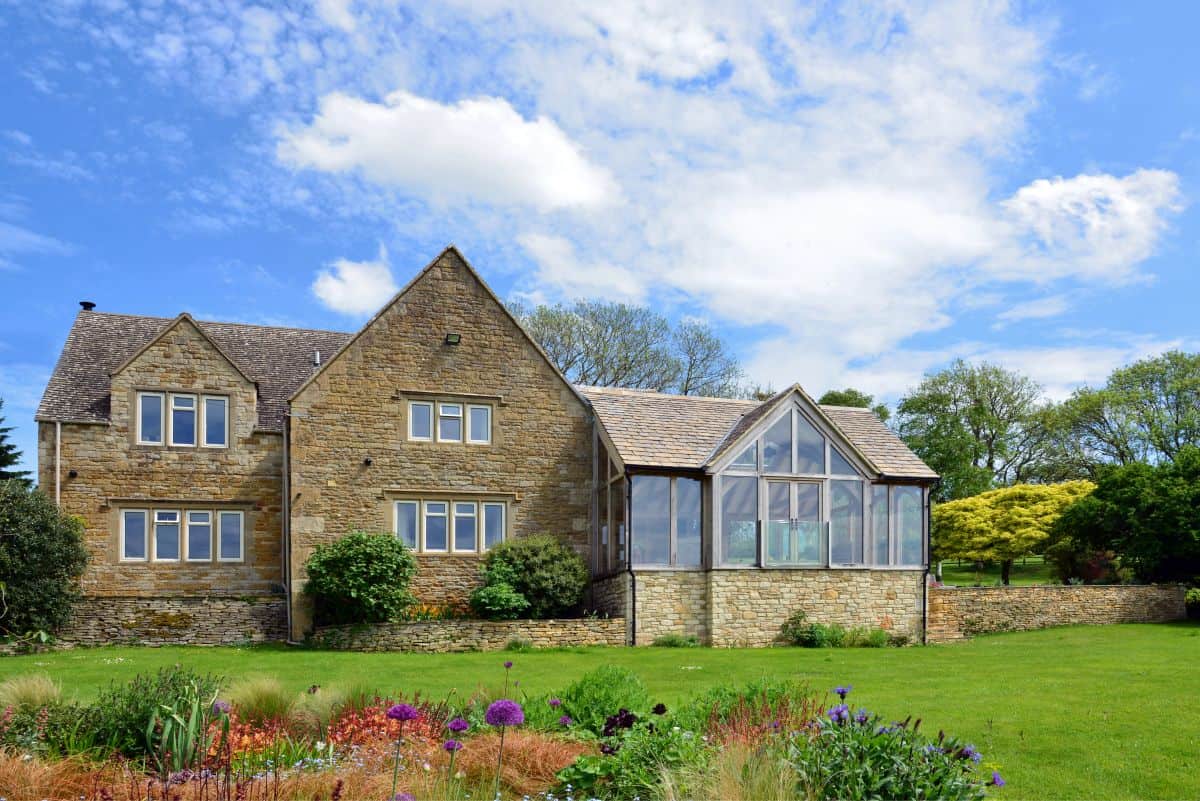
{"x":209,"y":459}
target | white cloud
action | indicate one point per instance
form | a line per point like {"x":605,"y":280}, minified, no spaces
{"x":16,"y":240}
{"x":357,"y":288}
{"x":479,"y":149}
{"x":1037,"y":309}
{"x":560,"y":272}
{"x":337,"y":13}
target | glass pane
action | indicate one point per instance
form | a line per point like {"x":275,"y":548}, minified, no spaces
{"x":451,"y":410}
{"x":808,"y":543}
{"x":464,"y":527}
{"x":794,"y":524}
{"x":151,"y":418}
{"x":779,"y":520}
{"x":777,"y":447}
{"x":687,"y":522}
{"x":435,"y":526}
{"x":184,"y":402}
{"x":166,"y":540}
{"x":231,"y":535}
{"x":739,"y":520}
{"x":421,"y":421}
{"x":199,"y":535}
{"x":909,"y":524}
{"x":845,"y":522}
{"x":214,"y":421}
{"x":879,"y":524}
{"x":481,"y":423}
{"x":183,"y":424}
{"x":493,"y":524}
{"x":810,"y":447}
{"x":650,"y":513}
{"x":135,"y":535}
{"x":450,"y":429}
{"x":748,"y":458}
{"x":602,"y":544}
{"x":406,"y":523}
{"x":620,"y":541}
{"x":839,"y":465}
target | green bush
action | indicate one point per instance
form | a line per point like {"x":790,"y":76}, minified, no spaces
{"x":675,"y":640}
{"x":550,"y":576}
{"x":123,"y":712}
{"x":603,"y":692}
{"x":797,"y":630}
{"x":634,"y":759}
{"x":42,"y":557}
{"x":360,"y":578}
{"x":1192,"y":601}
{"x":498,"y":601}
{"x":54,"y":731}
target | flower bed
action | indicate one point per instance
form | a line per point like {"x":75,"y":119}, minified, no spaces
{"x":443,"y":636}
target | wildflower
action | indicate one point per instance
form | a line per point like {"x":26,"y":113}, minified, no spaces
{"x":839,"y":714}
{"x":508,"y":665}
{"x":843,"y":691}
{"x":458,"y":725}
{"x":403,"y":712}
{"x":660,"y":709}
{"x":404,"y":797}
{"x":504,"y":713}
{"x":221,"y":707}
{"x":565,"y":721}
{"x":555,"y":702}
{"x":996,"y":780}
{"x":452,"y":745}
{"x":970,"y":753}
{"x":862,"y":717}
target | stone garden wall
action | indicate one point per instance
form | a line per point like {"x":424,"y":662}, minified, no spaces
{"x":440,"y":636}
{"x":671,"y":602}
{"x":957,"y":613}
{"x":197,"y":620}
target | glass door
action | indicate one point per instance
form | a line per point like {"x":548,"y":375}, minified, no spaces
{"x":794,"y":524}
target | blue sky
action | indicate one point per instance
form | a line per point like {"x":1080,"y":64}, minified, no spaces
{"x":853,"y":194}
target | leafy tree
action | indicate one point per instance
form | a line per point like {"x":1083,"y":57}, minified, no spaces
{"x":360,"y":578}
{"x":42,"y":557}
{"x":856,"y":398}
{"x":1148,"y":515}
{"x":1004,"y":524}
{"x":10,"y":457}
{"x":618,"y":345}
{"x":977,"y":425}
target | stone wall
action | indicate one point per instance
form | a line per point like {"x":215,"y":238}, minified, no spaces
{"x":671,"y":602}
{"x":748,"y":607}
{"x":441,"y":636}
{"x":956,"y":613}
{"x":610,"y":596}
{"x":193,"y":620}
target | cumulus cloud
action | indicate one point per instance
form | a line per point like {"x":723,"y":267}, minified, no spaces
{"x":479,"y":149}
{"x":337,"y":13}
{"x":1037,"y":309}
{"x":356,"y":288}
{"x":561,"y":273}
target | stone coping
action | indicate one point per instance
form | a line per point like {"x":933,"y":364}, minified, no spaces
{"x":444,"y":636}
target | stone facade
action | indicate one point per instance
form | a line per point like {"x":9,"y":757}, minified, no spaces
{"x":539,"y":461}
{"x":957,"y":613}
{"x":190,"y":620}
{"x":610,"y":596}
{"x":441,"y":636}
{"x":113,"y":473}
{"x":671,"y":602}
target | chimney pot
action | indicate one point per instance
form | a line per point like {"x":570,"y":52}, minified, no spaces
{"x":86,"y":305}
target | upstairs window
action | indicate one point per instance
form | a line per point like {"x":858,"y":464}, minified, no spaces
{"x":450,"y":422}
{"x":479,"y":424}
{"x":150,"y":418}
{"x":420,"y":421}
{"x":216,"y":421}
{"x":183,"y":420}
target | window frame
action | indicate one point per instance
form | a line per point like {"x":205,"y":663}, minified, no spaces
{"x":470,"y":427}
{"x":503,"y":507}
{"x":195,"y":419}
{"x":178,"y":521}
{"x":220,"y":515}
{"x":481,"y":504}
{"x":425,"y":527}
{"x":203,"y":425}
{"x":187,"y":534}
{"x":431,"y":406}
{"x":462,"y":425}
{"x":162,"y":417}
{"x":454,"y":525}
{"x":416,"y":544}
{"x":146,"y":532}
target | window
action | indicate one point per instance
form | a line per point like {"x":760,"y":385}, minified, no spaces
{"x":777,"y":446}
{"x":616,"y":506}
{"x":230,"y":549}
{"x":846,"y":522}
{"x":747,"y":459}
{"x":216,"y":422}
{"x":450,"y":422}
{"x":166,"y":536}
{"x":406,"y":523}
{"x":420,"y":421}
{"x":739,"y":520}
{"x":133,"y":535}
{"x":908,"y":515}
{"x":150,"y":418}
{"x":880,"y":536}
{"x":479,"y":424}
{"x":493,"y":525}
{"x":687,"y":522}
{"x":650,"y":518}
{"x":466,"y":528}
{"x":839,"y":465}
{"x":435,"y":526}
{"x":199,"y":536}
{"x":183,"y":419}
{"x":810,"y":447}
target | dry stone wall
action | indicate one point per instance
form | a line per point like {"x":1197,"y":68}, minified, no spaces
{"x":957,"y":613}
{"x":192,"y":620}
{"x":443,"y":636}
{"x":671,"y":602}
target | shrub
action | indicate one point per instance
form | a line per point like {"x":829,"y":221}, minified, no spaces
{"x":30,"y":692}
{"x":124,"y":711}
{"x":55,"y":730}
{"x":547,"y":574}
{"x":797,"y":630}
{"x":603,"y":692}
{"x":261,"y":700}
{"x":498,"y":601}
{"x":1192,"y":601}
{"x":518,"y":644}
{"x":42,"y":557}
{"x":360,"y":578}
{"x":675,"y":640}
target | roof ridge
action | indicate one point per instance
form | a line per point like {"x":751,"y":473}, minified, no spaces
{"x":154,"y":317}
{"x":636,"y":391}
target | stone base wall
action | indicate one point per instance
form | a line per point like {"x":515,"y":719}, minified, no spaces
{"x":748,"y":607}
{"x":611,"y":596}
{"x":197,"y":620}
{"x":442,"y":636}
{"x":957,"y":613}
{"x":671,"y":602}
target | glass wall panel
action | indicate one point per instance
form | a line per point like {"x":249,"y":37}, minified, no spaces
{"x":603,"y":555}
{"x":909,"y":514}
{"x":839,"y":465}
{"x":845,"y":522}
{"x":650,"y":518}
{"x":748,"y":459}
{"x":809,"y":545}
{"x":810,"y":447}
{"x":687,"y":522}
{"x":779,"y":521}
{"x":739,"y":520}
{"x":617,"y":504}
{"x":777,"y":447}
{"x":879,"y":525}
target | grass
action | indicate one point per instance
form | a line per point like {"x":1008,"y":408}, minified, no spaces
{"x":1032,"y":570}
{"x":1083,"y":712}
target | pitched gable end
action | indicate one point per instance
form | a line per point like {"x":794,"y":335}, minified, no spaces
{"x":182,"y":319}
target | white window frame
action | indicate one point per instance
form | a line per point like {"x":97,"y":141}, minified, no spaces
{"x":187,"y":534}
{"x":454,"y":527}
{"x":416,"y":546}
{"x":503,"y":507}
{"x":241,"y":557}
{"x":449,"y":533}
{"x":195,"y":419}
{"x":462,"y":424}
{"x":163,"y":413}
{"x":178,"y":521}
{"x":146,"y":532}
{"x":432,"y":421}
{"x":471,"y":440}
{"x":203,"y":417}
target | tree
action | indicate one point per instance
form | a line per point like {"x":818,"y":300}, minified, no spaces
{"x":618,"y":345}
{"x":42,"y":557}
{"x":853,"y":397}
{"x":977,"y":425}
{"x":10,"y":457}
{"x":1148,"y":515}
{"x":1002,"y":525}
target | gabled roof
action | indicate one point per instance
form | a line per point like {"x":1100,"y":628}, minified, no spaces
{"x":166,"y":329}
{"x":658,"y":430}
{"x":277,"y":359}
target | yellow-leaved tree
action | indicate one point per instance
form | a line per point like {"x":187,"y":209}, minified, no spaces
{"x":1002,"y":525}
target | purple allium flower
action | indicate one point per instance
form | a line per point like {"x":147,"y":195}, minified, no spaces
{"x":405,"y":797}
{"x":659,"y":709}
{"x":504,"y":713}
{"x":458,"y":725}
{"x":565,"y":720}
{"x":607,"y":750}
{"x":508,"y":664}
{"x":843,"y":691}
{"x":996,"y":780}
{"x":221,"y":707}
{"x":862,"y":717}
{"x":452,"y":745}
{"x":555,"y":702}
{"x":839,"y":714}
{"x":970,"y":753}
{"x":403,"y":712}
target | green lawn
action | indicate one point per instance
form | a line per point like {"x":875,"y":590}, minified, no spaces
{"x":1032,"y":570}
{"x":1085,"y":712}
